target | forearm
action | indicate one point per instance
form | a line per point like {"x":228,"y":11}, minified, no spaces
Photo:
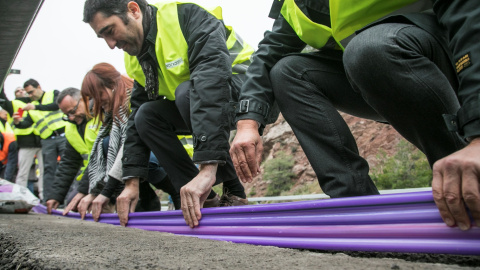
{"x":256,"y":97}
{"x":51,"y":106}
{"x":210,"y":70}
{"x":25,"y":123}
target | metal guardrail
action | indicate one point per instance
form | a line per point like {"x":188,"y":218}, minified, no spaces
{"x":317,"y":196}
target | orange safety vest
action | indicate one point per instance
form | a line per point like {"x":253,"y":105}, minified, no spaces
{"x":8,"y":138}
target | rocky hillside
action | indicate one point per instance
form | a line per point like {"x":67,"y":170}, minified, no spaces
{"x":371,"y":137}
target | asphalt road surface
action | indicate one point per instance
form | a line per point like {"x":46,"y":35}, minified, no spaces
{"x":36,"y":241}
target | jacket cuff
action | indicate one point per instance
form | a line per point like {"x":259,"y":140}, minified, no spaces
{"x":202,"y":156}
{"x":56,"y":197}
{"x":253,"y":106}
{"x":467,"y":120}
{"x":134,"y":171}
{"x":134,"y":166}
{"x":472,"y":129}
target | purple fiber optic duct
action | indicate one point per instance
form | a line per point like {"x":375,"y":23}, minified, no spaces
{"x":442,"y":246}
{"x":353,"y":216}
{"x":418,"y":230}
{"x":369,"y":223}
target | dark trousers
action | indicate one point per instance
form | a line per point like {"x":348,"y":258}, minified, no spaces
{"x":158,"y":124}
{"x":398,"y":84}
{"x":52,"y":148}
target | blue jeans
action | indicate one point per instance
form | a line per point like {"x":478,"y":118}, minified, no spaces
{"x":310,"y":88}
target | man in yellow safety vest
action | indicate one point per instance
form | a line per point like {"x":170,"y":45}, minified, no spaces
{"x":187,"y":66}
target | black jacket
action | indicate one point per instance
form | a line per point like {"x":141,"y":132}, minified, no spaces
{"x":283,"y":40}
{"x":69,"y":167}
{"x":211,"y":74}
{"x":462,"y":20}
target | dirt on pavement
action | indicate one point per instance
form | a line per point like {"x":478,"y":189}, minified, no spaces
{"x":37,"y":241}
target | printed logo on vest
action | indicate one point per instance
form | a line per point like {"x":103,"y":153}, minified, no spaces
{"x":174,"y":63}
{"x":463,"y":63}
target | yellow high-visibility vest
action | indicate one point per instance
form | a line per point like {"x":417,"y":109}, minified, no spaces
{"x":171,"y":49}
{"x":346,"y":17}
{"x":82,"y":146}
{"x":45,"y":122}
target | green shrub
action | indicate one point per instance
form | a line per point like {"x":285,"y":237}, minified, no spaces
{"x":408,"y":168}
{"x":279,"y":172}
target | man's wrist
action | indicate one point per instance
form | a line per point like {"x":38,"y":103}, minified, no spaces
{"x":473,"y":139}
{"x":132,"y":182}
{"x":248,"y":124}
{"x":209,"y":168}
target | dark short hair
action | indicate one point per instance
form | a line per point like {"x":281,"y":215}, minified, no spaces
{"x":109,"y":8}
{"x":31,"y":82}
{"x":70,"y":91}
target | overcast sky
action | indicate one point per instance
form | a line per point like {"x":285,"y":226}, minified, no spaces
{"x":60,"y":48}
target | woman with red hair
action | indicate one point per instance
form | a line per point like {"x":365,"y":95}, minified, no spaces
{"x":109,"y":91}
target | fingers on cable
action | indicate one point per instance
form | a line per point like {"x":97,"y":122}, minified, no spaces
{"x":237,"y":167}
{"x":438,"y":195}
{"x":471,"y":193}
{"x":123,"y":205}
{"x":241,"y":153}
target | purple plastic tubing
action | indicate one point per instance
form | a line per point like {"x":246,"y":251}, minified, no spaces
{"x":407,"y":222}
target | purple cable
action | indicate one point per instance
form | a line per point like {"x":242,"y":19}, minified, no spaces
{"x":408,"y":222}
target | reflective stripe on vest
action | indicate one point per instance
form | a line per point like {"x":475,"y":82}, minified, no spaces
{"x":187,"y":142}
{"x":46,"y":121}
{"x":346,"y":16}
{"x":21,"y":131}
{"x":82,"y":146}
{"x":172,"y":51}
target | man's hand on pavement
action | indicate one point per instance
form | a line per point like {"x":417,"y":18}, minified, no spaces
{"x":194,"y":194}
{"x":128,"y":199}
{"x":456,"y":185}
{"x":246,"y":150}
{"x":72,"y":206}
{"x":85,"y":205}
{"x":52,"y":204}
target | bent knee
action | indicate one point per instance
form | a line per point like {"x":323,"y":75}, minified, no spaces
{"x":142,"y":116}
{"x":364,"y":52}
{"x":289,"y":66}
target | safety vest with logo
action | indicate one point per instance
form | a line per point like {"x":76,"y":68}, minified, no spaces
{"x":346,"y":17}
{"x":82,"y":146}
{"x":45,"y":122}
{"x":17,"y":104}
{"x":171,"y":50}
{"x":8,"y":138}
